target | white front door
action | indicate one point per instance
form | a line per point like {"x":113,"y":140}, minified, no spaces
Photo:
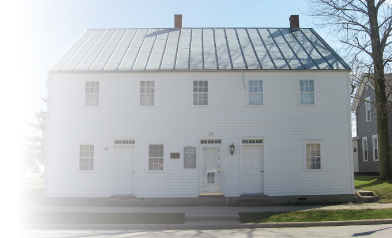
{"x":211,"y":171}
{"x":123,"y":176}
{"x":252,"y":169}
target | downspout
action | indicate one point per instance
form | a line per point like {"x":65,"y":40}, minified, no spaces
{"x":243,"y":78}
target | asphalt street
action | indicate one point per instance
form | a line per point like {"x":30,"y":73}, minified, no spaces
{"x":379,"y":231}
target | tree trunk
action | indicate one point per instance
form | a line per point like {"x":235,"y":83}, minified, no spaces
{"x":384,"y":146}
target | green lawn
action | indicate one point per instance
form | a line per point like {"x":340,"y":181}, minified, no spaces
{"x":383,"y":189}
{"x":315,"y":216}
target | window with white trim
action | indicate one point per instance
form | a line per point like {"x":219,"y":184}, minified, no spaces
{"x":155,"y":157}
{"x":364,"y":149}
{"x":375,"y":148}
{"x":200,"y":92}
{"x":313,"y":156}
{"x":306,"y":92}
{"x":146,"y":93}
{"x":86,"y":157}
{"x":368,"y":107}
{"x":255,"y":92}
{"x":92,"y":93}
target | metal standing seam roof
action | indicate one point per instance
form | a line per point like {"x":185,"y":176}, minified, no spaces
{"x":151,"y":49}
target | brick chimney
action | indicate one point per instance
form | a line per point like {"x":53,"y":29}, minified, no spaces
{"x":294,"y":21}
{"x":177,"y":20}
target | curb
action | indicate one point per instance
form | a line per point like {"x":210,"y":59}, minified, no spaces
{"x":212,"y":225}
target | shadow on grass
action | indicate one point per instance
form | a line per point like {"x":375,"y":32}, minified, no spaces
{"x":375,"y":182}
{"x":100,"y":218}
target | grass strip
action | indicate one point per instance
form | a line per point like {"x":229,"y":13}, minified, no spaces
{"x":103,"y":218}
{"x":315,"y":216}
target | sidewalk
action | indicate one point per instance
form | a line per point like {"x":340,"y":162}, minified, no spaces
{"x":202,"y":217}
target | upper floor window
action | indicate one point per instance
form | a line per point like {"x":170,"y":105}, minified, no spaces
{"x":375,"y":147}
{"x":155,"y":157}
{"x":86,"y":157}
{"x":255,"y":91}
{"x":92,"y":94}
{"x":146,"y":93}
{"x":313,"y":156}
{"x":200,"y":92}
{"x":364,"y":149}
{"x":368,"y":107}
{"x":306,"y":92}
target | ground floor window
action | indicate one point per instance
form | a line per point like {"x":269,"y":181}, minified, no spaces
{"x":375,"y":148}
{"x":313,"y":156}
{"x":86,"y":157}
{"x":364,"y":149}
{"x":155,"y":157}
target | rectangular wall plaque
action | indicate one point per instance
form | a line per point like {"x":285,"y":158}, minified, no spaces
{"x":190,"y":157}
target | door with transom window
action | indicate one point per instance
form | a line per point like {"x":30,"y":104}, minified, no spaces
{"x":211,"y":171}
{"x":123,"y":172}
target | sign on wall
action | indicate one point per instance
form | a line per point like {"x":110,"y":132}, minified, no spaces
{"x":211,"y":177}
{"x":190,"y":157}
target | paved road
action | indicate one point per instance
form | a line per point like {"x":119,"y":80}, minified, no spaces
{"x":379,"y":231}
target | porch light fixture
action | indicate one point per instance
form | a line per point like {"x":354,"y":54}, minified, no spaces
{"x":232,"y":149}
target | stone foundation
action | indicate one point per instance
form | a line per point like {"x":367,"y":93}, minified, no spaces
{"x":262,"y":200}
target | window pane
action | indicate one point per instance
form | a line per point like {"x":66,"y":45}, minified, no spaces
{"x":91,"y":151}
{"x":307,"y":98}
{"x":256,"y":99}
{"x":156,"y":151}
{"x":313,"y":159}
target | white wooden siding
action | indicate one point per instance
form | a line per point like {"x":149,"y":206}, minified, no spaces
{"x":176,"y":123}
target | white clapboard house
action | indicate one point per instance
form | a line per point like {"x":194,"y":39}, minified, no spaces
{"x":174,"y":115}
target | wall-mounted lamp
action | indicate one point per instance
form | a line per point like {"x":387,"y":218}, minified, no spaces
{"x":106,"y":148}
{"x":232,"y":147}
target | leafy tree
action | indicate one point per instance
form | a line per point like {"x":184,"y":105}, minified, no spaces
{"x":35,"y":146}
{"x":364,"y":27}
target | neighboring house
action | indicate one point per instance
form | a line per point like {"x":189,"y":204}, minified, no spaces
{"x":366,"y":118}
{"x":181,"y":113}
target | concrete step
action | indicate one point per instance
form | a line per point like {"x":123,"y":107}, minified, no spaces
{"x":366,"y":196}
{"x":211,"y":201}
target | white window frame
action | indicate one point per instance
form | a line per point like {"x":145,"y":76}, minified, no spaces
{"x":375,"y":148}
{"x":199,"y":93}
{"x":90,"y":156}
{"x":249,"y":93}
{"x":365,"y":149}
{"x":145,"y":93}
{"x":300,"y":93}
{"x":91,"y":90}
{"x":156,"y":157}
{"x":368,"y":109}
{"x":308,"y":156}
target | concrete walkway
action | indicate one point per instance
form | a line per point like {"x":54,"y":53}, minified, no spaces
{"x":204,"y":217}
